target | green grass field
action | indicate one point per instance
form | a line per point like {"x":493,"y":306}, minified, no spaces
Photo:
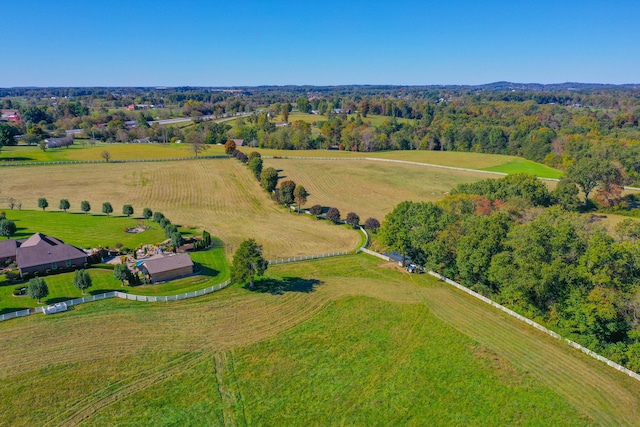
{"x":314,"y":118}
{"x":87,"y":231}
{"x":345,"y":342}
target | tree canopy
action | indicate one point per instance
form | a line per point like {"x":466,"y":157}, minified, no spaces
{"x":248,"y":262}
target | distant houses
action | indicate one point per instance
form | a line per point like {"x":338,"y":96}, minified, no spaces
{"x":41,"y":254}
{"x":10,"y":116}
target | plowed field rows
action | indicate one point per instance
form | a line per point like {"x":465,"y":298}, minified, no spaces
{"x":218,"y":195}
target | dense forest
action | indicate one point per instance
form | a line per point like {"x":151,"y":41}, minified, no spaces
{"x":521,"y":245}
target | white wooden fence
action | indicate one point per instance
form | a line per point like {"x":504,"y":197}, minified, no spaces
{"x":538,"y":326}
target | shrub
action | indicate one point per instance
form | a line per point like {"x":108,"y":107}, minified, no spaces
{"x":353,"y":219}
{"x":164,"y":222}
{"x":372,"y":224}
{"x":157,"y":216}
{"x":333,"y":215}
{"x":315,"y":210}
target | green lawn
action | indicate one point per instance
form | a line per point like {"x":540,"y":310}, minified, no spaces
{"x":86,"y":231}
{"x":519,"y":165}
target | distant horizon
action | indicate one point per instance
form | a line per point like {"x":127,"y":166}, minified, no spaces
{"x":324,"y":85}
{"x":281,"y":43}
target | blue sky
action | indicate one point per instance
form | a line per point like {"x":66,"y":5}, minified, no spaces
{"x":228,"y":43}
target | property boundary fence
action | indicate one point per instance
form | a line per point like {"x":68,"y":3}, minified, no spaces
{"x":164,"y":298}
{"x":538,"y":326}
{"x":305,"y":258}
{"x":79,"y":162}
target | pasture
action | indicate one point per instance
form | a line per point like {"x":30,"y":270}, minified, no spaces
{"x":220,"y":196}
{"x":369,"y":188}
{"x":343,"y":341}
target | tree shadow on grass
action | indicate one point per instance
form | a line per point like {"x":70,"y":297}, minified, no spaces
{"x":285,"y":284}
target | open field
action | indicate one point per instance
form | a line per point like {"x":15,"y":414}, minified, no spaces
{"x":345,"y":342}
{"x":220,"y":196}
{"x":369,"y":188}
{"x":314,"y":118}
{"x":479,"y":161}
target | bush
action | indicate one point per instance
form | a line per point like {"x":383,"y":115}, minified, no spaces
{"x":157,"y":216}
{"x":372,"y":224}
{"x":315,"y":210}
{"x":164,"y":222}
{"x":333,"y":215}
{"x":353,"y":219}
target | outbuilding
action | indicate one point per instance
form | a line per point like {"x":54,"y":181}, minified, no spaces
{"x":167,"y":267}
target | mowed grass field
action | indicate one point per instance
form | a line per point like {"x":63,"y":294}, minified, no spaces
{"x":479,"y":161}
{"x":346,"y":342}
{"x":218,"y":195}
{"x":369,"y":188}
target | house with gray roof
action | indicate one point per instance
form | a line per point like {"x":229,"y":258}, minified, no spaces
{"x":40,"y":253}
{"x":8,"y":250}
{"x":167,"y":267}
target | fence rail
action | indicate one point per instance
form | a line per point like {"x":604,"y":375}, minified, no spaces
{"x":538,"y":326}
{"x":79,"y":162}
{"x":164,"y":298}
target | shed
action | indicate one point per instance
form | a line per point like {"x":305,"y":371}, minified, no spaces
{"x":167,"y":267}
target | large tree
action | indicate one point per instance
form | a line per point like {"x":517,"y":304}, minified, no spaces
{"x":127,"y":210}
{"x":287,"y":189}
{"x":7,"y":228}
{"x":64,"y":205}
{"x":85,"y":206}
{"x":7,"y":133}
{"x":42,"y":203}
{"x":82,"y":280}
{"x":196,"y":140}
{"x":589,"y":172}
{"x":269,"y":179}
{"x":147,"y":213}
{"x":230,"y":147}
{"x":255,"y":165}
{"x":300,"y":195}
{"x":121,"y":272}
{"x":107,"y":208}
{"x":37,"y":288}
{"x":248,"y":263}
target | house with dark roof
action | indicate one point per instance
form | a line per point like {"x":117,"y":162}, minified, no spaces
{"x":166,"y":267}
{"x":40,"y":253}
{"x":8,"y":250}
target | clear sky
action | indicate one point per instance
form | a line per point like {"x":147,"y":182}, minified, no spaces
{"x":328,"y":42}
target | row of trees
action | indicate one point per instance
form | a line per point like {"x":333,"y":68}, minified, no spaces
{"x":85,"y":206}
{"x":556,"y":266}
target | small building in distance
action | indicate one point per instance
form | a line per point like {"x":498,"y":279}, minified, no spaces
{"x":166,"y":267}
{"x":58,"y":142}
{"x":40,"y":253}
{"x":238,"y":142}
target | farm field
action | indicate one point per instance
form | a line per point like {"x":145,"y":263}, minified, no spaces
{"x":369,"y":188}
{"x":375,"y":120}
{"x":343,"y":342}
{"x":479,"y":161}
{"x":220,"y":196}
